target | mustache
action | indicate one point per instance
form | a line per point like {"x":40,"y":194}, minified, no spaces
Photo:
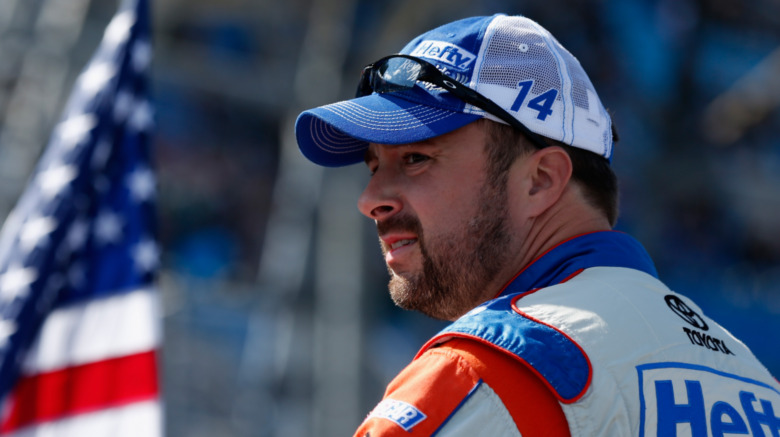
{"x":399,"y":223}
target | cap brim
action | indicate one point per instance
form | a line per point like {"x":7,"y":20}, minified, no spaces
{"x":338,"y":134}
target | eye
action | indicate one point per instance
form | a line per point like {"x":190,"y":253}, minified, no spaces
{"x":372,"y":165}
{"x":415,"y":158}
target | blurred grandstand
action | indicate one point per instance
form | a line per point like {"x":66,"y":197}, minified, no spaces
{"x":277,"y":322}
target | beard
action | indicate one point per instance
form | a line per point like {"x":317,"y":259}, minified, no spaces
{"x":458,"y":267}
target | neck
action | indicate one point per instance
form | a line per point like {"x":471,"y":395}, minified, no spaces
{"x":569,"y":217}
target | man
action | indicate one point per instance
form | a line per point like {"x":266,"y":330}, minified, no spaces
{"x":493,"y":197}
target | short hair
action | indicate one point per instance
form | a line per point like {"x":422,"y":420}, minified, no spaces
{"x":590,"y":171}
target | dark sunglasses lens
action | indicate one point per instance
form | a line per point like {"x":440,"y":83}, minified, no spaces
{"x":390,"y":75}
{"x":398,"y":73}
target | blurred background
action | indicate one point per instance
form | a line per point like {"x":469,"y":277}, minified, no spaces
{"x":276,"y":316}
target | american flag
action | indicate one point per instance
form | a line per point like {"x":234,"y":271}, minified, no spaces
{"x":79,"y":324}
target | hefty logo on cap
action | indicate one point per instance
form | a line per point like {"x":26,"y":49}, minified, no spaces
{"x":445,"y":53}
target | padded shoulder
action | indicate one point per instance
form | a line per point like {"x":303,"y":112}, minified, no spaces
{"x":423,"y":396}
{"x":550,"y":353}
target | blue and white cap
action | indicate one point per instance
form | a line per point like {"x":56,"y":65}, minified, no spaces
{"x":511,"y":60}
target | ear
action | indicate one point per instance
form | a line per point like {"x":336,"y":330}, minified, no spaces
{"x":549,"y":172}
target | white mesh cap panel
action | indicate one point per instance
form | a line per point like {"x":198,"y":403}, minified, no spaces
{"x":596,"y":125}
{"x":561,"y":103}
{"x":514,"y":54}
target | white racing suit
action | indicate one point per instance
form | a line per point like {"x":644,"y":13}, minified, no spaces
{"x":623,"y":354}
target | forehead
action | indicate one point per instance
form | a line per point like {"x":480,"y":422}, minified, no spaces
{"x":469,"y":138}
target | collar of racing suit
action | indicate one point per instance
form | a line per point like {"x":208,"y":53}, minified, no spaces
{"x":568,"y":258}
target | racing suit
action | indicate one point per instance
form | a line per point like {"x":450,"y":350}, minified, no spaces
{"x":584,"y":341}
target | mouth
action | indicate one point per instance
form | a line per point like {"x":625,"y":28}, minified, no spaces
{"x":401,"y":243}
{"x":400,"y":237}
{"x":397,"y":249}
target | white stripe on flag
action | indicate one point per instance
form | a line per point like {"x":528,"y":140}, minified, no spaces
{"x":133,"y":420}
{"x":96,"y":330}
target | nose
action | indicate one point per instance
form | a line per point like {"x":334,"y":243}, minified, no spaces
{"x":380,"y":199}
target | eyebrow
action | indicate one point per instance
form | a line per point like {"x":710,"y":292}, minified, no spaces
{"x":370,"y":155}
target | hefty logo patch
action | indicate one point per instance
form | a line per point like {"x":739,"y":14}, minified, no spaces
{"x":681,"y":399}
{"x":445,"y":53}
{"x":403,"y":414}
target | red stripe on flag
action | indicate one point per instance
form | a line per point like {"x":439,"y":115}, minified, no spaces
{"x":80,"y":389}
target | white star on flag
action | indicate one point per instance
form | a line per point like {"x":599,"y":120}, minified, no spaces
{"x":122,"y":105}
{"x":146,"y":255}
{"x":108,"y":227}
{"x":118,"y":30}
{"x":7,"y":328}
{"x":141,"y":117}
{"x":141,"y":184}
{"x":142,"y":55}
{"x":74,"y":130}
{"x":16,"y":282}
{"x":34,"y":230}
{"x":101,"y":154}
{"x":96,"y":77}
{"x":77,"y":234}
{"x":53,"y":180}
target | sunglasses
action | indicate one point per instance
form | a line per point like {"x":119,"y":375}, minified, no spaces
{"x":396,"y":73}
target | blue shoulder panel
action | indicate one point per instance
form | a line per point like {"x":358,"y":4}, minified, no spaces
{"x":550,"y":353}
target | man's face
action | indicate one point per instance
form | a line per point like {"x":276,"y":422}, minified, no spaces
{"x":443,"y":222}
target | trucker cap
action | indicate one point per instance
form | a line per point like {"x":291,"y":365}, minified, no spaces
{"x":511,"y":60}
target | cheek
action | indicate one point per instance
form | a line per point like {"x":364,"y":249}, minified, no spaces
{"x":448,"y":212}
{"x":445,"y":202}
{"x":518,"y":190}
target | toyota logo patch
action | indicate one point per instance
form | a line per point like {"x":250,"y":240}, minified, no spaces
{"x":685,"y":312}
